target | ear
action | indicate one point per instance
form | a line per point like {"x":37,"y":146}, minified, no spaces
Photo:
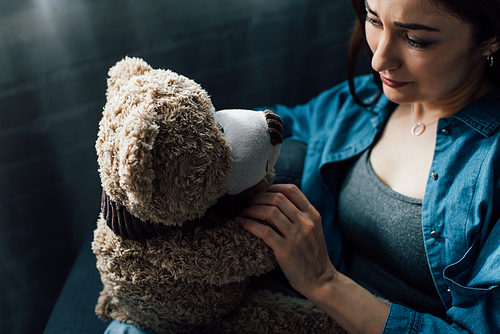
{"x":123,"y":71}
{"x":491,"y":46}
{"x":135,"y":170}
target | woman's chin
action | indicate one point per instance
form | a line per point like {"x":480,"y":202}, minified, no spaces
{"x":399,"y":95}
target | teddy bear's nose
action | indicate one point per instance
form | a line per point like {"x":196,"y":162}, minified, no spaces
{"x":275,"y":127}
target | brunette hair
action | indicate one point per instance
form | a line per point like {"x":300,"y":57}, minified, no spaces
{"x":483,"y":16}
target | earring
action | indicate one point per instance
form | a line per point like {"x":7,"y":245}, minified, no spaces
{"x":489,"y":58}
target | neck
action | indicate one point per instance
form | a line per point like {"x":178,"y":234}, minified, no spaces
{"x":448,"y":105}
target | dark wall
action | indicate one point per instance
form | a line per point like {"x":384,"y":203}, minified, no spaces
{"x":54,"y":58}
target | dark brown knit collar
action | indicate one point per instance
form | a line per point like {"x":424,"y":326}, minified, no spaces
{"x":125,"y":225}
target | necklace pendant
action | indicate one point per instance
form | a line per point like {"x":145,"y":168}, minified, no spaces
{"x":417,"y":129}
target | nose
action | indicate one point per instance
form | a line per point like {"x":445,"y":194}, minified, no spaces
{"x":385,"y":54}
{"x":274,"y":127}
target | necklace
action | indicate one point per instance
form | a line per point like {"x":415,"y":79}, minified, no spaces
{"x":418,"y":128}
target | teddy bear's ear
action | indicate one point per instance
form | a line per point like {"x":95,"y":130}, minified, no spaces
{"x":135,"y":157}
{"x":122,"y":72}
{"x":124,"y":149}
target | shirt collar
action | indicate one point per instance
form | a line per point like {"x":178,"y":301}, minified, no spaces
{"x":382,"y":109}
{"x":483,"y":114}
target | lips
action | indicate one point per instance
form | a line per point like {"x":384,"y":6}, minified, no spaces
{"x":392,"y":83}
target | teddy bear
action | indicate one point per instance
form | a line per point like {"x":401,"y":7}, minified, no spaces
{"x":175,"y":175}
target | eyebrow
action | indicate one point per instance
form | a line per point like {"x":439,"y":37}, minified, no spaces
{"x":409,"y":26}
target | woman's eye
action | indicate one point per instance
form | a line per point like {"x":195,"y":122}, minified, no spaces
{"x":372,"y":21}
{"x":414,"y":43}
{"x":417,"y":43}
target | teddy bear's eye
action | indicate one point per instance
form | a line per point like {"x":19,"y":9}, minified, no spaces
{"x":221,"y":129}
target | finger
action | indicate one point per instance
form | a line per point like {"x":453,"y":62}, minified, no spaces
{"x":267,"y":201}
{"x":293,"y":193}
{"x":264,"y":232}
{"x":271,"y":214}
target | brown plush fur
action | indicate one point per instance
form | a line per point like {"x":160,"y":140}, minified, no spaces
{"x":199,"y":281}
{"x":159,"y":151}
{"x":188,"y":279}
{"x":162,"y":157}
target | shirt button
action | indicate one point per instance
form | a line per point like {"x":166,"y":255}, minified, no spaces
{"x":448,"y":290}
{"x":435,"y":234}
{"x":445,"y":131}
{"x":434,"y":176}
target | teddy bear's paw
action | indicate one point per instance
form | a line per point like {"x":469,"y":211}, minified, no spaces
{"x":266,"y":312}
{"x":107,"y":309}
{"x":178,"y":307}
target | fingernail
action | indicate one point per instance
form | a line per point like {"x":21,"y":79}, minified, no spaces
{"x":244,"y":212}
{"x":241,"y":220}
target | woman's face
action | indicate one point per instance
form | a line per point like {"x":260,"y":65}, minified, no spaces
{"x":422,"y":54}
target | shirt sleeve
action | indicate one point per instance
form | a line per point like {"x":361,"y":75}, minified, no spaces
{"x":404,"y":320}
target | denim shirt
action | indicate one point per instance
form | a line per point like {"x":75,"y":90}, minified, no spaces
{"x":460,"y":209}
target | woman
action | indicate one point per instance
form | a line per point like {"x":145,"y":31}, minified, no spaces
{"x":406,"y":179}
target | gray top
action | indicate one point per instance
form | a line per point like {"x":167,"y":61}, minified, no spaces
{"x":383,"y":234}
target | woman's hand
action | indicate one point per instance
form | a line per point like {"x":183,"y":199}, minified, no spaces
{"x":295,"y":235}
